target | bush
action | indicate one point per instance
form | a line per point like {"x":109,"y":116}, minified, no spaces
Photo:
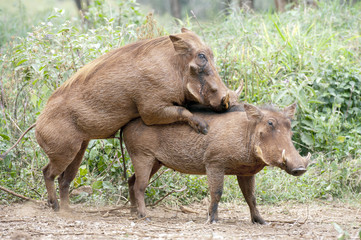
{"x":34,"y":66}
{"x":301,"y":55}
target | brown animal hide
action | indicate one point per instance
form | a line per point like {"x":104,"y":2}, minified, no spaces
{"x":152,"y":79}
{"x":239,"y":143}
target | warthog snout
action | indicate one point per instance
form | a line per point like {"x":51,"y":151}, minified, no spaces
{"x":302,"y":164}
{"x":224,"y":105}
{"x":298,"y":171}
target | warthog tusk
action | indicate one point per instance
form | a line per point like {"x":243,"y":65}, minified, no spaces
{"x":308,"y":158}
{"x":284,"y":159}
{"x":226,"y":101}
{"x":260,"y":155}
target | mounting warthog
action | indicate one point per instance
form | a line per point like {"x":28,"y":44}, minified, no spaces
{"x":152,"y":79}
{"x":239,"y":143}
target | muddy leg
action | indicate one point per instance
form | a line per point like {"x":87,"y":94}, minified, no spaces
{"x":49,"y":176}
{"x":247,"y":185}
{"x":57,"y":164}
{"x":131,"y":182}
{"x":215,"y":181}
{"x":60,"y":154}
{"x":133,"y":203}
{"x":68,"y":176}
{"x":143,"y":168}
{"x":61,"y":141}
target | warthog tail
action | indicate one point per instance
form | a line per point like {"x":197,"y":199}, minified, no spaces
{"x":2,"y":156}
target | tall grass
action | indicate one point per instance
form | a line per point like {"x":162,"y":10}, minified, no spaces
{"x":308,"y":56}
{"x":311,"y":56}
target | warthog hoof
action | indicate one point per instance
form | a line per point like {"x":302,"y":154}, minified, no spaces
{"x":200,"y":125}
{"x":259,"y":220}
{"x":54,"y":205}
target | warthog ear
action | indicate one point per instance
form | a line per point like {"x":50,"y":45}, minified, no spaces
{"x":290,"y":110}
{"x":193,"y":90}
{"x":185,"y":30}
{"x":253,"y":112}
{"x":180,"y":45}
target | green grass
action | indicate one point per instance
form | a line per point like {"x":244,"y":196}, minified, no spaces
{"x":33,"y":8}
{"x":19,"y":16}
{"x":308,"y":56}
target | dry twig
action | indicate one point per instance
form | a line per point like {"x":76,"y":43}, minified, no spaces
{"x":160,"y":174}
{"x":17,"y":195}
{"x":293,"y":221}
{"x":173,"y":191}
{"x":185,"y":209}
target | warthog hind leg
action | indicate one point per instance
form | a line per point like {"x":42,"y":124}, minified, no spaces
{"x":215,"y":178}
{"x":62,"y":152}
{"x":133,"y":202}
{"x":68,"y":176}
{"x":144,"y":169}
{"x":49,"y":176}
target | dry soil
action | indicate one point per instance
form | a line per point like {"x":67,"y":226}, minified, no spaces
{"x":286,"y":221}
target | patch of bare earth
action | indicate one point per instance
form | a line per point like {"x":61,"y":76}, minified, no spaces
{"x":287,"y":221}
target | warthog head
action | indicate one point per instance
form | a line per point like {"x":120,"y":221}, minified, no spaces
{"x":201,"y":78}
{"x":273,"y":139}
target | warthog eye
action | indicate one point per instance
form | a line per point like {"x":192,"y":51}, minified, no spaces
{"x":202,"y":57}
{"x":270,"y":123}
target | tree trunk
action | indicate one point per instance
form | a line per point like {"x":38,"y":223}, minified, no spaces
{"x":246,"y":4}
{"x":280,"y":5}
{"x":82,"y":5}
{"x":78,"y":4}
{"x":175,"y":7}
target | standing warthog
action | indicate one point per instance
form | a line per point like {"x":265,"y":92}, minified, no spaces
{"x":152,"y":79}
{"x":239,"y":143}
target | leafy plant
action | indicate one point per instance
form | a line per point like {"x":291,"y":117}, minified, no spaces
{"x":34,"y":66}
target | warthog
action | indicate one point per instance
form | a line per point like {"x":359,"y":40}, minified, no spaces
{"x":239,"y":143}
{"x":152,"y":79}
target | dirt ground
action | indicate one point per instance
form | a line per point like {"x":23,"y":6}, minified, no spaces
{"x":286,"y":221}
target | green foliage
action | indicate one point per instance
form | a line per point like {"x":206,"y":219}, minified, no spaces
{"x":325,"y":179}
{"x":303,"y":56}
{"x":34,"y":66}
{"x":308,"y":56}
{"x":13,"y":26}
{"x":195,"y":187}
{"x":127,"y":14}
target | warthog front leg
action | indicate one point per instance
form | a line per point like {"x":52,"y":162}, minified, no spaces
{"x":133,"y":201}
{"x":247,"y":185}
{"x":215,"y":178}
{"x":171,"y":114}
